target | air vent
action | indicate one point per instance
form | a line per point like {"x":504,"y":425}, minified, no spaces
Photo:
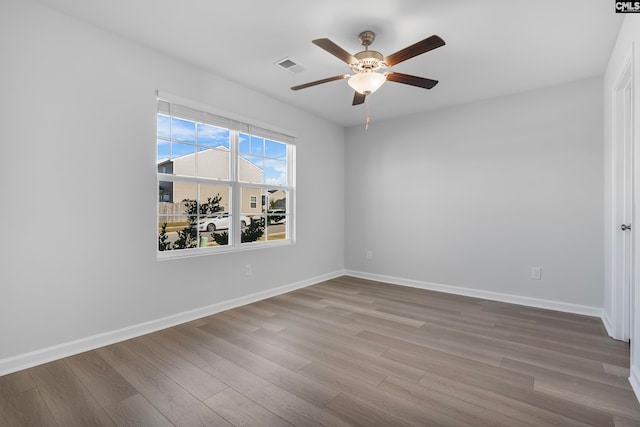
{"x":290,"y":65}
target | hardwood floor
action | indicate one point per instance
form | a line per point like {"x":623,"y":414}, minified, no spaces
{"x":343,"y":352}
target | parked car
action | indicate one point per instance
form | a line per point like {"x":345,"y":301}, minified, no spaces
{"x":273,"y":217}
{"x":276,"y":216}
{"x":219,"y":221}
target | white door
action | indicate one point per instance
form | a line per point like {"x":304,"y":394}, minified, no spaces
{"x":625,"y":208}
{"x":630,"y":252}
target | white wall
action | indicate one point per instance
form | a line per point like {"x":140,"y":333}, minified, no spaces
{"x":77,"y":114}
{"x":472,"y":197}
{"x":627,"y":45}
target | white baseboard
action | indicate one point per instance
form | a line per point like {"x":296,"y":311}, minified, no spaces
{"x":608,"y":325}
{"x":38,"y":357}
{"x":634,"y":379}
{"x":488,"y":295}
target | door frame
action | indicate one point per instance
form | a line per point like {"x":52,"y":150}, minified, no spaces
{"x":625,"y":189}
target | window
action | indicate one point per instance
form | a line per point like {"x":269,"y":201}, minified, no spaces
{"x":223,"y":185}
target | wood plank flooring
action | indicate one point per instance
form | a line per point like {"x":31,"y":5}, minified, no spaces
{"x":344,"y":352}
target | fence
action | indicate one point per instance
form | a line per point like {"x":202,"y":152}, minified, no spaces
{"x":172,"y":212}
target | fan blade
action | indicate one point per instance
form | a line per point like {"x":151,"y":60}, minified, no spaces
{"x":319,"y":82}
{"x":358,"y":98}
{"x":335,"y":50}
{"x":415,"y":49}
{"x":411,"y":80}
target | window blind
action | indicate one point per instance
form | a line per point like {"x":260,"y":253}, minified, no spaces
{"x":198,"y":114}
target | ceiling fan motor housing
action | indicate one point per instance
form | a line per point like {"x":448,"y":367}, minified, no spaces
{"x":368,"y":61}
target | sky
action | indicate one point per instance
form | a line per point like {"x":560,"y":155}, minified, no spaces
{"x":188,"y":137}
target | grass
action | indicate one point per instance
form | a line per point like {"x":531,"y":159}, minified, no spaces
{"x":275,"y":236}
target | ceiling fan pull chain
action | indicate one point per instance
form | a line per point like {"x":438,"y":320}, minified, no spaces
{"x":366,"y":124}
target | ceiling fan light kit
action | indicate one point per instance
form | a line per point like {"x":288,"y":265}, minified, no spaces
{"x":366,"y":83}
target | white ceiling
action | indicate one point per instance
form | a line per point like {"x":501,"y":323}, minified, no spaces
{"x":494,"y":47}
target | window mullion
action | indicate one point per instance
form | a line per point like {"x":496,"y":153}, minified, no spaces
{"x":236,"y":200}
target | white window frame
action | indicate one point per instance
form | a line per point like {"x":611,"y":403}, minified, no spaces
{"x":236,"y":125}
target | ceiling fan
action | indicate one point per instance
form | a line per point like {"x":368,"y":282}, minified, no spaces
{"x":366,"y":64}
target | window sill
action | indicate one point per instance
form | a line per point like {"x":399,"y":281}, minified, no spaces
{"x":198,"y":252}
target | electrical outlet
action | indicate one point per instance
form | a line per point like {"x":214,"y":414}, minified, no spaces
{"x":369,"y":254}
{"x":247,"y":270}
{"x":536,"y":273}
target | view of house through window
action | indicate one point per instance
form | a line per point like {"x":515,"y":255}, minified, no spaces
{"x":222,"y":184}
